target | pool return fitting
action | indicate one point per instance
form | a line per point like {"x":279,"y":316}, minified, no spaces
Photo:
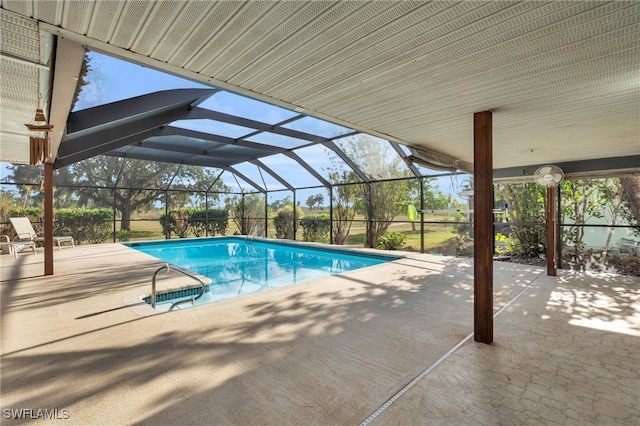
{"x":168,"y":268}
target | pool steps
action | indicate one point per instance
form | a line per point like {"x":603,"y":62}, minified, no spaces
{"x":168,"y":268}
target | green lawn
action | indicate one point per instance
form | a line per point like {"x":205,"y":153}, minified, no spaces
{"x":145,"y":230}
{"x":436,"y":237}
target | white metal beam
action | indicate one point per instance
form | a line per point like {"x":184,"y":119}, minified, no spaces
{"x":69,"y":56}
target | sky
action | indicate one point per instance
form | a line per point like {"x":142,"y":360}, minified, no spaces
{"x":112,"y":80}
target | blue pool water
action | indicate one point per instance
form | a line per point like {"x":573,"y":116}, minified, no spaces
{"x":239,"y":266}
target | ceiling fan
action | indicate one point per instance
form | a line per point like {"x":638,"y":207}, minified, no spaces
{"x":548,"y":176}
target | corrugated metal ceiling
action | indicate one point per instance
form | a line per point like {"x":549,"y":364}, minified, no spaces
{"x":24,"y":68}
{"x":562,"y":78}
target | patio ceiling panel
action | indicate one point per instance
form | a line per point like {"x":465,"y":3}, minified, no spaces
{"x":149,"y":154}
{"x":131,"y":109}
{"x":160,"y":144}
{"x":409,"y":72}
{"x":251,"y":32}
{"x":163,"y":156}
{"x":177,"y":39}
{"x":244,"y":150}
{"x":24,"y":68}
{"x":329,"y":33}
{"x":234,"y":150}
{"x":69,"y":155}
{"x":223,"y":140}
{"x":389,"y":46}
{"x":97,"y":130}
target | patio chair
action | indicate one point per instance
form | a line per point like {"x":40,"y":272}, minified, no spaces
{"x":25,"y":232}
{"x":15,"y":247}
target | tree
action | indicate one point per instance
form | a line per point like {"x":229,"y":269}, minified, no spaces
{"x":631,"y":193}
{"x":82,"y":79}
{"x":247,"y":212}
{"x":386,"y":200}
{"x":580,"y":203}
{"x":381,"y":201}
{"x":527,"y":214}
{"x":435,"y":199}
{"x":284,"y":222}
{"x":7,"y":203}
{"x":612,"y":190}
{"x":315,"y":201}
{"x":344,"y":201}
{"x":28,"y":179}
{"x":139,"y":183}
{"x":278,"y":204}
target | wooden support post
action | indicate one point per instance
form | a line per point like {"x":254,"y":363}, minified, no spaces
{"x":483,"y":226}
{"x":48,"y":218}
{"x":551,"y":213}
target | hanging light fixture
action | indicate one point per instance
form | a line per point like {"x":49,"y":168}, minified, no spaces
{"x":39,"y":144}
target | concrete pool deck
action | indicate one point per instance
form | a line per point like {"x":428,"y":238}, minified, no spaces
{"x":330,"y":351}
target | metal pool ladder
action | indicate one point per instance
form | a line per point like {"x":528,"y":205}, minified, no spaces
{"x":167,"y":268}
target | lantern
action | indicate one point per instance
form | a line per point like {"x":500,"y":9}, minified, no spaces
{"x":39,"y":145}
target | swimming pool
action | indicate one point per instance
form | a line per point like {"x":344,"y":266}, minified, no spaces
{"x":239,"y":265}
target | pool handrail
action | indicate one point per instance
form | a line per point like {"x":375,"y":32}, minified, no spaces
{"x":168,"y":268}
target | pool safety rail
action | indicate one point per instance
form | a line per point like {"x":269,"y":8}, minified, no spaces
{"x":168,"y":268}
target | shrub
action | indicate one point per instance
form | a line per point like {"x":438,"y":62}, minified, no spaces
{"x":167,"y":222}
{"x":462,"y":245}
{"x":463,"y":228}
{"x":123,"y":235}
{"x":316,"y":227}
{"x":391,"y":241}
{"x":501,"y":245}
{"x":209,"y":222}
{"x":200,"y":222}
{"x":91,"y":225}
{"x":35,"y":215}
{"x":248,"y":213}
{"x":284,"y":221}
{"x":181,"y":223}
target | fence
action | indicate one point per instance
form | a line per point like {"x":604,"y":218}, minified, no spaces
{"x":446,"y":230}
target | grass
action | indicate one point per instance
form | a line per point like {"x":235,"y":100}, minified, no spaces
{"x":437,"y":237}
{"x":145,"y":230}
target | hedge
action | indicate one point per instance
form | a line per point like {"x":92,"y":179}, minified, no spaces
{"x":91,"y":225}
{"x":198,"y":222}
{"x":316,"y":228}
{"x":35,"y":215}
{"x":284,"y":221}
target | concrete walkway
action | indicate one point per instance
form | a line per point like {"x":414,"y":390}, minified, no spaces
{"x":329,"y":351}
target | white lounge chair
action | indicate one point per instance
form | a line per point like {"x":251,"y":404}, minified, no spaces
{"x":15,"y":247}
{"x":25,"y":232}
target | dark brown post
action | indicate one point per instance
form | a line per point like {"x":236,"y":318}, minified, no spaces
{"x":48,"y":218}
{"x":551,"y":231}
{"x":483,"y":226}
